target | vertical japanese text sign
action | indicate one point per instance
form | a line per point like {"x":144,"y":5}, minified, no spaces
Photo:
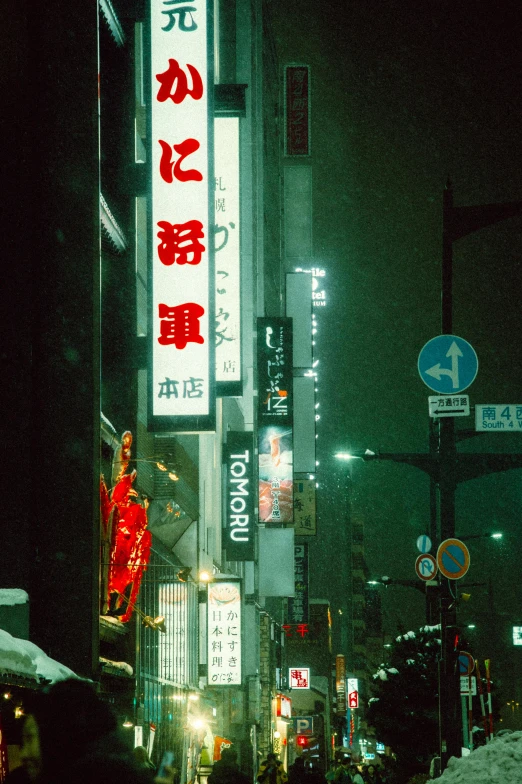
{"x":228,"y":283}
{"x":275,"y":419}
{"x":181,"y":283}
{"x":298,"y":604}
{"x":224,"y":633}
{"x":340,"y":683}
{"x":240,"y":497}
{"x":297,"y":110}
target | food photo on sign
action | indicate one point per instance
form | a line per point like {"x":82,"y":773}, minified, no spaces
{"x":275,"y":474}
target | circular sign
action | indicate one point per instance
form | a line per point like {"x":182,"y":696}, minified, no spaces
{"x":466,"y":663}
{"x":424,"y":544}
{"x":426,"y":567}
{"x":447,"y":364}
{"x":453,"y":559}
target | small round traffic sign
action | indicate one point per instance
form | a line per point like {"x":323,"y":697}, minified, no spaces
{"x":453,"y":559}
{"x":424,"y":544}
{"x":447,"y":364}
{"x":466,"y":663}
{"x":426,"y":566}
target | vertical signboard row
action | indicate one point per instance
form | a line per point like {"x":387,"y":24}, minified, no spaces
{"x":275,"y":419}
{"x":181,"y":285}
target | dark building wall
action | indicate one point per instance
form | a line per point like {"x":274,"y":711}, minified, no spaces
{"x":51,"y":325}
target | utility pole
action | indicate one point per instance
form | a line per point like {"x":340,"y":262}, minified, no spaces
{"x":450,"y":716}
{"x":457,"y":222}
{"x":447,"y":468}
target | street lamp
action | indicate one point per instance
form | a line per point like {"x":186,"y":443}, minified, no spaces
{"x":487,"y":535}
{"x":420,"y":586}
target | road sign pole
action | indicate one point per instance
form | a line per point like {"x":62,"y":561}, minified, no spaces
{"x":450,"y":714}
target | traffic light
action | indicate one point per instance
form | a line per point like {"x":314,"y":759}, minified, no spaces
{"x":302,"y":741}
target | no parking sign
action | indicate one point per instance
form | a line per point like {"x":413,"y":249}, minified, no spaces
{"x":453,"y":559}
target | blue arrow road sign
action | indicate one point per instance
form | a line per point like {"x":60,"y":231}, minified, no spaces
{"x":447,"y":364}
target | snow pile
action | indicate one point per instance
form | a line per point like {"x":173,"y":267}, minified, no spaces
{"x":499,"y":762}
{"x":11,"y":596}
{"x":382,"y":673}
{"x":21,"y":657}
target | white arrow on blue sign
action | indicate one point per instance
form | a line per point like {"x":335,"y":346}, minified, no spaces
{"x":447,"y":364}
{"x":424,"y":544}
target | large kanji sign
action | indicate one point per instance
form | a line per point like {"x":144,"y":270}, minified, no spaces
{"x":181,"y":285}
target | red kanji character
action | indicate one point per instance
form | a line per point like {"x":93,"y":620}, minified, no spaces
{"x":179,"y":241}
{"x":180,"y":325}
{"x":302,"y":629}
{"x":175,"y":73}
{"x":287,"y":629}
{"x":168,"y":170}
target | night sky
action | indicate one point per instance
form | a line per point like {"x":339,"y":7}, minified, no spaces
{"x":405,"y":95}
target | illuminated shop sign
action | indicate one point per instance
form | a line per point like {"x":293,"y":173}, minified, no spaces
{"x":239,"y":497}
{"x":353,"y":692}
{"x":228,"y":288}
{"x":298,"y":604}
{"x":318,"y":292}
{"x":224,"y":633}
{"x":304,"y":507}
{"x":284,"y":706}
{"x":297,"y":110}
{"x":340,"y":683}
{"x":299,"y":678}
{"x":275,"y":419}
{"x":181,"y":285}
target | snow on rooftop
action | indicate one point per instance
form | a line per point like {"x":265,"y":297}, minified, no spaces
{"x":11,"y":596}
{"x":499,"y":762}
{"x":22,"y":657}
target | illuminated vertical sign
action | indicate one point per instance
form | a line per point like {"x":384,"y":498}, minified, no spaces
{"x":240,"y":497}
{"x":275,"y":419}
{"x":340,"y":683}
{"x":304,"y":507}
{"x":228,"y":284}
{"x":353,"y":692}
{"x":297,"y":110}
{"x":224,"y":633}
{"x":181,"y":283}
{"x":299,"y":678}
{"x":298,"y":604}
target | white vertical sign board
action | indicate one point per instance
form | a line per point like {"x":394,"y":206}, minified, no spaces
{"x":228,"y":284}
{"x":182,"y":329}
{"x":224,"y":633}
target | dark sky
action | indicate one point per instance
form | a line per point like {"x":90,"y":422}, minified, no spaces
{"x":404,"y":95}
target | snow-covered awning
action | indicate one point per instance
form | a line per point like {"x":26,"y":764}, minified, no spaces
{"x":24,"y":658}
